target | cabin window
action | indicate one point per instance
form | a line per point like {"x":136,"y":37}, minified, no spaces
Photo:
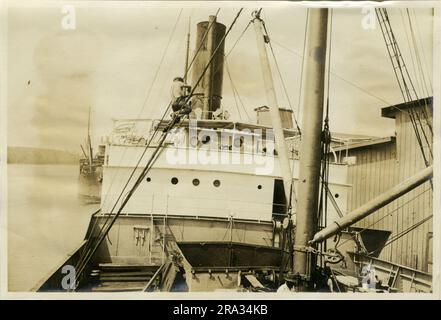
{"x":216,"y":183}
{"x":148,"y":179}
{"x":174,"y":180}
{"x":196,"y":182}
{"x":336,"y":195}
{"x":259,"y":186}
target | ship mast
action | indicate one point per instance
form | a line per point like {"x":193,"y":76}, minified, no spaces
{"x":187,"y":52}
{"x":310,"y":157}
{"x":276,"y":121}
{"x":273,"y":106}
{"x":89,"y":142}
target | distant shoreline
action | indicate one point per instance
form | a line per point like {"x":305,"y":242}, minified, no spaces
{"x":29,"y":155}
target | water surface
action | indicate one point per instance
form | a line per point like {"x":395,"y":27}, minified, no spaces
{"x":46,"y":220}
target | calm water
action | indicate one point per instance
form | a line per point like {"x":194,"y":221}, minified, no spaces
{"x":46,"y":220}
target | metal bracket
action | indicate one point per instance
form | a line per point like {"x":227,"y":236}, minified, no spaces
{"x":140,"y":234}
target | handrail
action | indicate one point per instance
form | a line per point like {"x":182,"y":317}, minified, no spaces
{"x":153,"y":278}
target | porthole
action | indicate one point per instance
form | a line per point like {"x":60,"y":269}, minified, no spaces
{"x":196,"y":182}
{"x":148,"y":179}
{"x":193,"y":142}
{"x":259,"y":186}
{"x":174,"y":180}
{"x":216,"y":183}
{"x":205,"y":139}
{"x":336,"y":195}
{"x":238,"y":142}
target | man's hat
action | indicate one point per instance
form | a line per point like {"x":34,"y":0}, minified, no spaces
{"x":178,"y":79}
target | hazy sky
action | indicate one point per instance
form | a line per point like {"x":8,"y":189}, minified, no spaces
{"x":109,"y":61}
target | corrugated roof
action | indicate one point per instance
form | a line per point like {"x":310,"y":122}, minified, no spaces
{"x":390,"y":112}
{"x":363,"y":143}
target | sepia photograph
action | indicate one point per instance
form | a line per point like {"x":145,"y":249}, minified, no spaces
{"x":237,"y":149}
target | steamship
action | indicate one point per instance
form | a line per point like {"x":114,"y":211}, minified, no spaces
{"x":214,"y":208}
{"x":91,"y":170}
{"x":91,"y":176}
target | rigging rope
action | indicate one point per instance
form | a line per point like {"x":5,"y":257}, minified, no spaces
{"x":333,"y":73}
{"x":422,"y":74}
{"x":412,"y":53}
{"x":84,"y":260}
{"x":86,"y":248}
{"x":418,"y":69}
{"x":280,"y":76}
{"x":161,"y":61}
{"x":148,"y":92}
{"x":387,"y":214}
{"x":210,"y":25}
{"x":232,"y":87}
{"x":404,"y":232}
{"x":234,"y":95}
{"x":403,"y":78}
{"x":238,"y":39}
{"x":423,"y":54}
{"x":417,"y":53}
{"x":236,"y":92}
{"x":163,"y":116}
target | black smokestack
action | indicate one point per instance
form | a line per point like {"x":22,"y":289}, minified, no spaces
{"x":210,"y":88}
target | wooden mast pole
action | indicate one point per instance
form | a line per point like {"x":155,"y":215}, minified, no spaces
{"x":310,"y":158}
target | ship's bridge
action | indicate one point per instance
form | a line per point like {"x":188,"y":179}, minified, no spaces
{"x":223,"y":134}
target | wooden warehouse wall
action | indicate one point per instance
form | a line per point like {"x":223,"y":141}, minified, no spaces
{"x":378,"y":168}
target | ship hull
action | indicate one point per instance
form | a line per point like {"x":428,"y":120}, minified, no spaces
{"x":89,"y":185}
{"x":138,"y":245}
{"x":218,"y":255}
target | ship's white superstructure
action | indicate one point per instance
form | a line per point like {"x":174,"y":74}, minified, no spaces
{"x":236,"y":176}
